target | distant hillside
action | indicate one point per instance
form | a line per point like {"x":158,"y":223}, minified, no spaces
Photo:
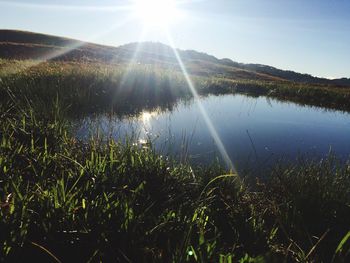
{"x":287,"y":74}
{"x":27,"y":45}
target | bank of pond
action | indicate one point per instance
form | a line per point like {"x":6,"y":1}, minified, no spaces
{"x":97,"y":167}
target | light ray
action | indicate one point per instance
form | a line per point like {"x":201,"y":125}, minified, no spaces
{"x":82,"y":43}
{"x":202,"y":110}
{"x":130,"y":65}
{"x":97,"y":8}
{"x":66,"y":49}
{"x":132,"y":61}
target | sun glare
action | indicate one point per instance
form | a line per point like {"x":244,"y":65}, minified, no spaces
{"x":146,"y":116}
{"x":156,"y":13}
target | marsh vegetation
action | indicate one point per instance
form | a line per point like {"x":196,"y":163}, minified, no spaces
{"x":65,"y":200}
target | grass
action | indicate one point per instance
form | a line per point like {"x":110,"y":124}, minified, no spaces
{"x":85,"y":88}
{"x":64,"y":200}
{"x":93,"y":201}
{"x":91,"y":87}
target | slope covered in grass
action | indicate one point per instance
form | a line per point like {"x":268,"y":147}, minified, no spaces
{"x":91,"y":87}
{"x":27,"y":45}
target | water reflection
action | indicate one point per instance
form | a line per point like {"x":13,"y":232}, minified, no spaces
{"x":255,"y":131}
{"x":145,"y":127}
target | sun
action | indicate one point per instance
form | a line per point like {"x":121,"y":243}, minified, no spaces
{"x":156,"y":13}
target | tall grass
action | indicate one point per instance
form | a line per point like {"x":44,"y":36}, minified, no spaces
{"x":63,"y":200}
{"x":94,"y":87}
{"x":90,"y":87}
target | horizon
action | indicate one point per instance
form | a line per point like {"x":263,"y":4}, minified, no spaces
{"x":310,"y":38}
{"x":158,"y":42}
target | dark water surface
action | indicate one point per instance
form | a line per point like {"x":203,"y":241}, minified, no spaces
{"x":255,"y":131}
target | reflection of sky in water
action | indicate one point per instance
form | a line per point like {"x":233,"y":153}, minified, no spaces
{"x":254,"y":130}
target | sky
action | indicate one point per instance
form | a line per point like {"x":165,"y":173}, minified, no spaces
{"x":307,"y":36}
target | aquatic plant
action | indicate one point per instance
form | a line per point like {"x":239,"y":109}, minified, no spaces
{"x":68,"y":200}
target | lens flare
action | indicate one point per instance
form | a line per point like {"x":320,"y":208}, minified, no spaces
{"x":206,"y":118}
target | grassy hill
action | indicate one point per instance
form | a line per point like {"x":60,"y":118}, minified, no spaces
{"x":26,"y":45}
{"x":50,"y":65}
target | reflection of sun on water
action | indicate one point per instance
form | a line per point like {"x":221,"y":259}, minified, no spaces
{"x":146,"y":118}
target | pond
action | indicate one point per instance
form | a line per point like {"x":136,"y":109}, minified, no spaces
{"x":255,"y":131}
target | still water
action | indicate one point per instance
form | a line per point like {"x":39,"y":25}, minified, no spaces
{"x":254,"y":131}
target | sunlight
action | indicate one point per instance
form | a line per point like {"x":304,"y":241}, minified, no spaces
{"x":156,"y":13}
{"x":55,"y":53}
{"x":130,"y":64}
{"x":202,"y":110}
{"x":146,"y":117}
{"x":69,"y":7}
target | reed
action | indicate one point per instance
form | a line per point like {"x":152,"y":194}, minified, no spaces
{"x":64,"y":200}
{"x":85,"y":88}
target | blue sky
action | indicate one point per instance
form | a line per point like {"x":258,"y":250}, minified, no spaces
{"x":307,"y":36}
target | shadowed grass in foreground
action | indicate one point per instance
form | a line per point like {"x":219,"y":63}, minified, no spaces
{"x":69,"y":201}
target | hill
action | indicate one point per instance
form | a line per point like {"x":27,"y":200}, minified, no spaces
{"x":22,"y":45}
